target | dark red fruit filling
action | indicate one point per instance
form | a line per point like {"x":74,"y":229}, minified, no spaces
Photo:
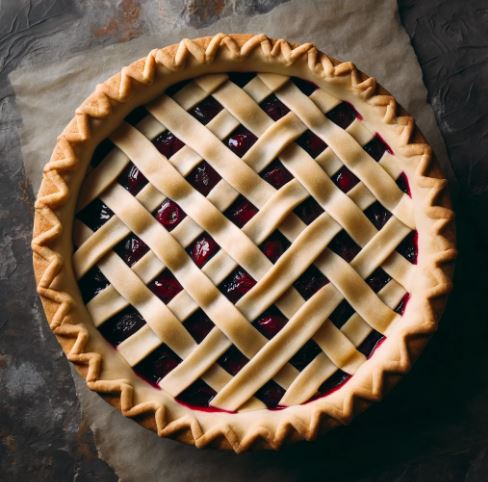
{"x":276,"y":174}
{"x":169,"y":214}
{"x":310,"y":282}
{"x":308,"y":210}
{"x":131,"y":249}
{"x":343,"y":115}
{"x":122,"y":325}
{"x":198,"y":325}
{"x":206,"y":110}
{"x":270,"y":323}
{"x":91,"y":284}
{"x":197,"y":395}
{"x":378,"y":279}
{"x":232,"y":360}
{"x":275,"y":246}
{"x":371,"y":343}
{"x":311,"y":143}
{"x":95,"y":215}
{"x":274,"y":107}
{"x":132,"y":179}
{"x":165,"y":286}
{"x":173,"y":89}
{"x":101,"y":152}
{"x":344,"y":246}
{"x":167,"y":143}
{"x":202,"y":249}
{"x":409,"y":247}
{"x":241,"y":211}
{"x":400,"y":309}
{"x":305,"y":86}
{"x":240,"y":141}
{"x":305,"y":355}
{"x":237,"y":284}
{"x":270,"y":394}
{"x":136,"y":115}
{"x":377,"y":214}
{"x":376,"y":147}
{"x":333,"y":383}
{"x":341,"y":314}
{"x":344,"y":179}
{"x":203,"y":177}
{"x":241,"y":78}
{"x":402,"y":183}
{"x":157,"y":365}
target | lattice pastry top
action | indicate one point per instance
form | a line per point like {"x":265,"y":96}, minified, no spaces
{"x":254,"y":229}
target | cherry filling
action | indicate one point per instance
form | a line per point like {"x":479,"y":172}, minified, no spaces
{"x":377,"y":214}
{"x":305,"y":86}
{"x":343,"y":245}
{"x":241,"y":211}
{"x":276,"y":174}
{"x":232,"y":360}
{"x":154,"y":367}
{"x":197,"y":396}
{"x":167,"y":143}
{"x":311,"y":143}
{"x":101,"y":151}
{"x":95,"y":214}
{"x":169,"y":214}
{"x":241,"y":78}
{"x":198,"y":325}
{"x":203,"y":177}
{"x":344,"y":179}
{"x":271,"y":394}
{"x":371,"y":343}
{"x":121,"y":326}
{"x":240,"y":141}
{"x":165,"y":286}
{"x":343,"y":115}
{"x":332,"y":384}
{"x":275,"y":246}
{"x":274,"y":107}
{"x":131,"y":249}
{"x":403,"y":184}
{"x":92,"y":283}
{"x":409,"y":247}
{"x":310,"y":282}
{"x":376,"y":147}
{"x":237,"y":284}
{"x":270,"y":323}
{"x":308,"y":210}
{"x":132,"y":179}
{"x":305,"y":355}
{"x":206,"y":110}
{"x":202,"y":249}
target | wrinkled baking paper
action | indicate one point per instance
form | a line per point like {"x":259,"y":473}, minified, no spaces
{"x":367,"y":32}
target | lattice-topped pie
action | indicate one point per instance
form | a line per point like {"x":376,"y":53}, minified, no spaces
{"x":237,"y":240}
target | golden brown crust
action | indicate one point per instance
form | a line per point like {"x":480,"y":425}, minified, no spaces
{"x":94,"y":120}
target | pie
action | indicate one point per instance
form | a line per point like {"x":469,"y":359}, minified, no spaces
{"x":241,"y":242}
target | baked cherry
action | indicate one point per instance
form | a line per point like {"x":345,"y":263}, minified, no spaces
{"x":376,"y":147}
{"x":169,"y":214}
{"x":165,"y":286}
{"x":400,"y":308}
{"x":241,"y":211}
{"x":95,"y":214}
{"x":132,"y":179}
{"x":232,"y":360}
{"x":305,"y":355}
{"x":344,"y":246}
{"x":131,"y":249}
{"x":202,"y":249}
{"x":341,"y":314}
{"x":240,"y":141}
{"x":271,"y":394}
{"x":310,"y":282}
{"x":344,"y":179}
{"x":274,"y":246}
{"x":167,"y":143}
{"x":198,"y":394}
{"x":378,"y":279}
{"x":203,"y":177}
{"x":274,"y":107}
{"x":377,"y":214}
{"x":403,"y":184}
{"x":237,"y":284}
{"x":371,"y":343}
{"x":333,"y":383}
{"x":92,"y":283}
{"x":311,"y":143}
{"x":206,"y":110}
{"x":343,"y":114}
{"x":121,"y":326}
{"x":408,"y":248}
{"x":305,"y":86}
{"x":276,"y":174}
{"x":198,"y":325}
{"x":157,"y":365}
{"x":270,"y":323}
{"x":308,"y":210}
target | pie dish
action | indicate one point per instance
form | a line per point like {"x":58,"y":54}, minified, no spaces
{"x":241,"y":241}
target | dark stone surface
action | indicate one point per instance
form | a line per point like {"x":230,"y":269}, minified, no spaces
{"x":433,"y":427}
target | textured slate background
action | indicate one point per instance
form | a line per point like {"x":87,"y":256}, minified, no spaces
{"x":433,"y":427}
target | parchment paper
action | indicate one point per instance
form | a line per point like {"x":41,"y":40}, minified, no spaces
{"x":367,"y":32}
